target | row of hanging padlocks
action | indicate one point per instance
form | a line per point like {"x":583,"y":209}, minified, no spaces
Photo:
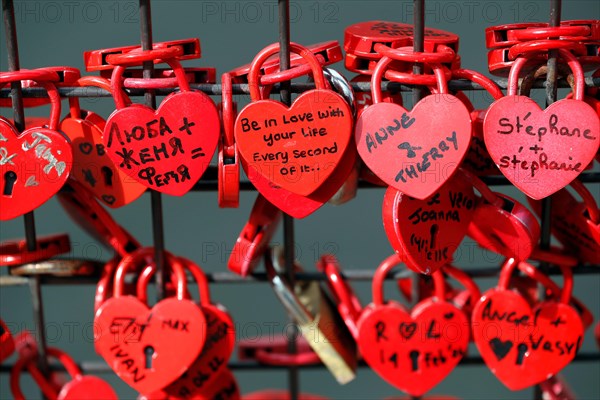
{"x":301,"y":157}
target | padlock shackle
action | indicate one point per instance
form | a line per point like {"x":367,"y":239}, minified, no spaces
{"x":554,"y":256}
{"x":564,"y":32}
{"x":227,"y":111}
{"x":482,"y":80}
{"x":510,"y":264}
{"x":588,"y":200}
{"x":139,"y":258}
{"x":339,"y":286}
{"x":104,"y":285}
{"x":92,"y":81}
{"x":390,"y":263}
{"x":138,"y":56}
{"x":29,"y":362}
{"x":48,"y":390}
{"x":464,"y":279}
{"x":521,"y":49}
{"x":488,"y":195}
{"x":264,"y":54}
{"x":408,"y":78}
{"x":52,"y":94}
{"x":381,"y":66}
{"x":578,"y":92}
{"x":116,"y":80}
{"x":444,"y":55}
{"x":36,"y":75}
{"x":544,"y":280}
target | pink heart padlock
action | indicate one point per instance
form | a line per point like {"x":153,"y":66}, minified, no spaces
{"x":542,"y":151}
{"x":392,"y":143}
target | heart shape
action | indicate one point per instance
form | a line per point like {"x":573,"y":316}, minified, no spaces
{"x":521,"y":346}
{"x":33,"y":168}
{"x":413,"y":151}
{"x":417,"y":362}
{"x":294,"y":204}
{"x":169,"y":149}
{"x":207,"y":368}
{"x":93,"y":167}
{"x":87,"y":387}
{"x":426,"y":233}
{"x":295,"y":148}
{"x":149,"y":348}
{"x":541,"y":151}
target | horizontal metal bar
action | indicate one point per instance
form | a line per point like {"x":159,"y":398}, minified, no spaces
{"x":215,"y":89}
{"x":100,"y":367}
{"x":228,"y":277}
{"x":209,"y":181}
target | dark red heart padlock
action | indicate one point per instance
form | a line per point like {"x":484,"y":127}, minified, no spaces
{"x":542,"y":151}
{"x":426,"y":233}
{"x":219,"y":344}
{"x":348,"y":304}
{"x":389,"y":139}
{"x":502,"y":224}
{"x":524,"y":346}
{"x":7,"y":344}
{"x":169,"y":149}
{"x":81,"y":205}
{"x":597,"y":334}
{"x":34,"y":164}
{"x":149,"y":348}
{"x":92,"y":166}
{"x":79,"y":387}
{"x":295,"y":148}
{"x":413,"y":352}
{"x":576,"y":224}
{"x":556,"y":388}
{"x":254,"y":237}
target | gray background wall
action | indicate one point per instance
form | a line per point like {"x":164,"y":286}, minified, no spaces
{"x":231,"y":33}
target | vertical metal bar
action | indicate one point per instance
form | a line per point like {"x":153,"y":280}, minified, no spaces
{"x":12,"y":46}
{"x":158,"y":235}
{"x":419,"y":40}
{"x":288,"y":221}
{"x":551,"y":93}
{"x":417,"y":92}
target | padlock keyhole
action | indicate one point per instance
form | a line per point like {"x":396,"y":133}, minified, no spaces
{"x":522,"y":350}
{"x":107,"y":173}
{"x":149,"y":353}
{"x":10,"y":178}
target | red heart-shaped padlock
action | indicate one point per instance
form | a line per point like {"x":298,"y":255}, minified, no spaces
{"x":426,"y":233}
{"x":391,"y":142}
{"x":91,"y":164}
{"x":219,"y":344}
{"x":169,"y":149}
{"x":33,"y":165}
{"x":523,"y":346}
{"x":542,"y":151}
{"x":296,"y":148}
{"x":576,"y":224}
{"x":149,"y":348}
{"x":413,"y":352}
